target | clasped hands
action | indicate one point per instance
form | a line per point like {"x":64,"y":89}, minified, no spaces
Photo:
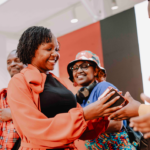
{"x":130,"y":111}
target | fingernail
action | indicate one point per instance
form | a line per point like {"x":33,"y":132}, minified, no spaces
{"x":108,"y":118}
{"x":118,"y":97}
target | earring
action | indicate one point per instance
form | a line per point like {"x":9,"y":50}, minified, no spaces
{"x":75,"y":84}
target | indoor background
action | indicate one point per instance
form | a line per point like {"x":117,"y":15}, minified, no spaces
{"x":118,"y":31}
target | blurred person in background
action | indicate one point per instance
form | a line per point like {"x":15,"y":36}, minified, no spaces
{"x":45,"y":113}
{"x":9,"y":136}
{"x":87,"y":72}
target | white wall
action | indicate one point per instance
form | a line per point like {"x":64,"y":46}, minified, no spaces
{"x":143,"y":30}
{"x":3,"y":69}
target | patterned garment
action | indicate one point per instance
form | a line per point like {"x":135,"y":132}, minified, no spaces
{"x":8,"y":134}
{"x":111,"y":141}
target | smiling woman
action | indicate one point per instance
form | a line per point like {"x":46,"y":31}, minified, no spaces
{"x":45,"y":113}
{"x":86,"y":71}
{"x":41,"y":49}
{"x":46,"y":55}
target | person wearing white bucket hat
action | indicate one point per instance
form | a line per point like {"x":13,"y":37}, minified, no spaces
{"x":86,"y":56}
{"x":87,"y":72}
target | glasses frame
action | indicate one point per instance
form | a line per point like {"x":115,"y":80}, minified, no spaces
{"x":80,"y":66}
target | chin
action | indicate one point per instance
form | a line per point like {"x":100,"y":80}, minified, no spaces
{"x":50,"y":68}
{"x":81,"y":83}
{"x":12,"y":75}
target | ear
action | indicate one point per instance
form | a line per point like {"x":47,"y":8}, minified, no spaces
{"x":95,"y":72}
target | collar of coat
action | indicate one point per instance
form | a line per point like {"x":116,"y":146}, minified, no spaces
{"x":35,"y":79}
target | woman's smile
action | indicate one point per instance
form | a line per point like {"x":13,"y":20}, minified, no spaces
{"x":52,"y":61}
{"x":80,"y":76}
{"x":46,"y":55}
{"x":83,"y":76}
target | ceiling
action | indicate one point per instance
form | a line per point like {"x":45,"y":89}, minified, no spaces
{"x":17,"y":15}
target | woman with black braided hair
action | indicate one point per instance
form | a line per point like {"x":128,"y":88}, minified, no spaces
{"x":45,"y":113}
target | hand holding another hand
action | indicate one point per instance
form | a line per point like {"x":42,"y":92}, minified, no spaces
{"x":141,"y":124}
{"x":145,"y":98}
{"x":130,"y":110}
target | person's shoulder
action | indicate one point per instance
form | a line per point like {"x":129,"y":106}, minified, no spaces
{"x":105,"y":84}
{"x":17,"y":79}
{"x":101,"y":85}
{"x":18,"y":76}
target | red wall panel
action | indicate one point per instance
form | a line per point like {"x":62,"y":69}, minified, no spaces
{"x":87,"y":38}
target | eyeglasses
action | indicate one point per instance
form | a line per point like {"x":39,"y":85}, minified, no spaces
{"x":83,"y":66}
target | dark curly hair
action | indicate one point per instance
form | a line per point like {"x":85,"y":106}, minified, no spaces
{"x":29,"y":42}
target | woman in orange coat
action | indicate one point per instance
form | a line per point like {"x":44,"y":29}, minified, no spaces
{"x":45,"y":113}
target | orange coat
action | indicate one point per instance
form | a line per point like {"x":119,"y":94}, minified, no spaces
{"x":35,"y":129}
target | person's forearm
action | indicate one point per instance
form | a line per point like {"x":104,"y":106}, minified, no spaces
{"x":87,"y":110}
{"x":144,"y":109}
{"x":114,"y":126}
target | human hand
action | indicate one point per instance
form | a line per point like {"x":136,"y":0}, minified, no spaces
{"x":100,"y":108}
{"x":144,"y":98}
{"x":5,"y":114}
{"x":130,"y":110}
{"x":141,"y":124}
{"x":114,"y":126}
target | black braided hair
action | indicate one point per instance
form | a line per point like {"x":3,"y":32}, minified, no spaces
{"x":30,"y":40}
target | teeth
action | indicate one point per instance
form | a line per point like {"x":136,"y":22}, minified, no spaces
{"x":80,"y":76}
{"x":53,"y":61}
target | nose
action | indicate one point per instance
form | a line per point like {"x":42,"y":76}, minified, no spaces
{"x":55,"y":54}
{"x":12,"y":63}
{"x":79,"y":69}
